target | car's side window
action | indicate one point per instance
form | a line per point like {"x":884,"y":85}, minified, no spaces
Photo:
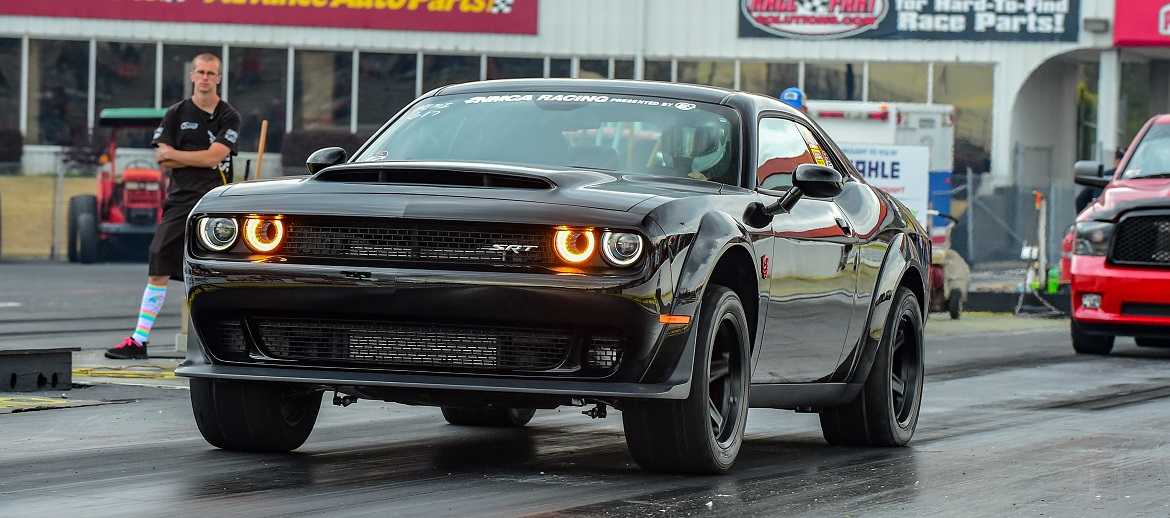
{"x":781,"y":147}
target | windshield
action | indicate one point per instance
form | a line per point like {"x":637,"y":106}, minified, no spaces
{"x":639,"y":135}
{"x":1152,"y":156}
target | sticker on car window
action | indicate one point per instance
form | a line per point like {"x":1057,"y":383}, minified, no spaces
{"x":813,"y":147}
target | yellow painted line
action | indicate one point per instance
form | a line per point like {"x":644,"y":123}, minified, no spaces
{"x":129,"y":371}
{"x":12,"y":404}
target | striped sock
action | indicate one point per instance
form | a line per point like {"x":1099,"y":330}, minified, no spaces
{"x":152,"y":301}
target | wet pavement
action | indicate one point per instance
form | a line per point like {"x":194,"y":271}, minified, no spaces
{"x":1013,"y":423}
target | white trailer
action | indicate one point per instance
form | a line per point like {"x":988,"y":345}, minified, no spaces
{"x":862,"y":127}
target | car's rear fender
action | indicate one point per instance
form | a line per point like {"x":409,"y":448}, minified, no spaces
{"x":906,"y":263}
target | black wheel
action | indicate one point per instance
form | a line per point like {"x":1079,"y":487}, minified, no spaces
{"x":254,"y":416}
{"x":703,"y":433}
{"x":1145,"y":341}
{"x":89,"y":239}
{"x":955,"y":303}
{"x":78,"y":205}
{"x":885,"y":413}
{"x":1085,"y":343}
{"x":489,"y":417}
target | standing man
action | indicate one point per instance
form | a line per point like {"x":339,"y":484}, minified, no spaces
{"x":195,"y":140}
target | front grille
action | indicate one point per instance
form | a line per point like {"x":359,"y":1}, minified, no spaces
{"x":1142,"y":240}
{"x":415,"y":241}
{"x":374,"y":344}
{"x":1145,"y":310}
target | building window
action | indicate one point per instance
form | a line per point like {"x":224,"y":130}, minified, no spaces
{"x":514,"y":68}
{"x":623,"y":69}
{"x":386,"y":83}
{"x":560,"y":68}
{"x":125,"y":75}
{"x":970,"y":89}
{"x":713,"y":73}
{"x":321,"y":89}
{"x":176,"y":79}
{"x":9,"y":83}
{"x":833,"y":81}
{"x":657,"y":70}
{"x":257,"y":85}
{"x":768,"y":78}
{"x":594,"y":68}
{"x":897,"y":82}
{"x":447,"y":70}
{"x":57,"y":84}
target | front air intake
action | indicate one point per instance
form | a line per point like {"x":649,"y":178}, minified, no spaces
{"x":435,"y":177}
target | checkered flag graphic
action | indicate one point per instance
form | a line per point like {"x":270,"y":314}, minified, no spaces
{"x":501,"y":6}
{"x":812,"y":6}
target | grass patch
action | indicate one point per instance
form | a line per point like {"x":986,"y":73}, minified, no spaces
{"x":26,"y":214}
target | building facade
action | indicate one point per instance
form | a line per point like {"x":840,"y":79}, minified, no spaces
{"x":1036,"y":84}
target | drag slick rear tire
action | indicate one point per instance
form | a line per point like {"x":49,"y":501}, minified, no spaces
{"x":254,"y":416}
{"x":885,"y":412}
{"x":489,"y":417}
{"x":703,"y":433}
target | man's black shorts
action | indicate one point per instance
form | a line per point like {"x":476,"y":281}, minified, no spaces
{"x":166,"y":249}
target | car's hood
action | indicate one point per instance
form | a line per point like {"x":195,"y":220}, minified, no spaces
{"x":390,"y":187}
{"x":1124,"y":195}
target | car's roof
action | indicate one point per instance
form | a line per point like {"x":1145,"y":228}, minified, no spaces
{"x":700,"y":93}
{"x":1163,"y":118}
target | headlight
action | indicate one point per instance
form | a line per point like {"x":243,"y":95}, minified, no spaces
{"x":621,"y":248}
{"x":1092,"y":237}
{"x":574,"y":246}
{"x":217,"y":234}
{"x":263,"y":235}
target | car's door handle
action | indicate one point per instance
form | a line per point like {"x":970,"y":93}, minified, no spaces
{"x":844,"y":225}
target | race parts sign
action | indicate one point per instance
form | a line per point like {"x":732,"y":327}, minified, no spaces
{"x":981,"y":20}
{"x":486,"y":16}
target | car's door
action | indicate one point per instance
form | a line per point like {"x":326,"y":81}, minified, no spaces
{"x":812,"y":274}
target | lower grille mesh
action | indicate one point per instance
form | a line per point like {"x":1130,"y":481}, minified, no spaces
{"x":381,"y":344}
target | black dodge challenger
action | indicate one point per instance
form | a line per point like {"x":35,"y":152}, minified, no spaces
{"x":678,"y":253}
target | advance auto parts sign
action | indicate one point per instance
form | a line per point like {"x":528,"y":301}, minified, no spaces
{"x":487,"y":16}
{"x":980,"y":20}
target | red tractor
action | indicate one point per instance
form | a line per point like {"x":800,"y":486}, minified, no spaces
{"x":130,"y":191}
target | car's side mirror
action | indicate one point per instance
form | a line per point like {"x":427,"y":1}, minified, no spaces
{"x":814,"y":180}
{"x":1089,"y":173}
{"x":818,"y":181}
{"x":322,"y":158}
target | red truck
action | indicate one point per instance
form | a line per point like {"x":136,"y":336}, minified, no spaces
{"x":1119,"y":266}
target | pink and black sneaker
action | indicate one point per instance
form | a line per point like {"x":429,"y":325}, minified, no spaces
{"x":129,"y":349}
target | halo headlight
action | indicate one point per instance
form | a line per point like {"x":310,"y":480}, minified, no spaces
{"x":263,"y":235}
{"x":574,"y":246}
{"x":217,"y":234}
{"x":621,"y":248}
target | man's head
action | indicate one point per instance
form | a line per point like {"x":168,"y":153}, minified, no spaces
{"x":794,"y":97}
{"x":206,"y":73}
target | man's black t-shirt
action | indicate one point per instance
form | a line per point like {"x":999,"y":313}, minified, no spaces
{"x":185,"y":127}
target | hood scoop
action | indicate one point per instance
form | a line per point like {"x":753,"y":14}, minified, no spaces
{"x":440,"y":177}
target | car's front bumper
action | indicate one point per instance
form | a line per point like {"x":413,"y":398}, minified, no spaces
{"x":1134,"y":301}
{"x":359,"y":317}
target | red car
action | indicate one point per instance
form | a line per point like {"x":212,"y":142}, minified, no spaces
{"x":1120,"y":263}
